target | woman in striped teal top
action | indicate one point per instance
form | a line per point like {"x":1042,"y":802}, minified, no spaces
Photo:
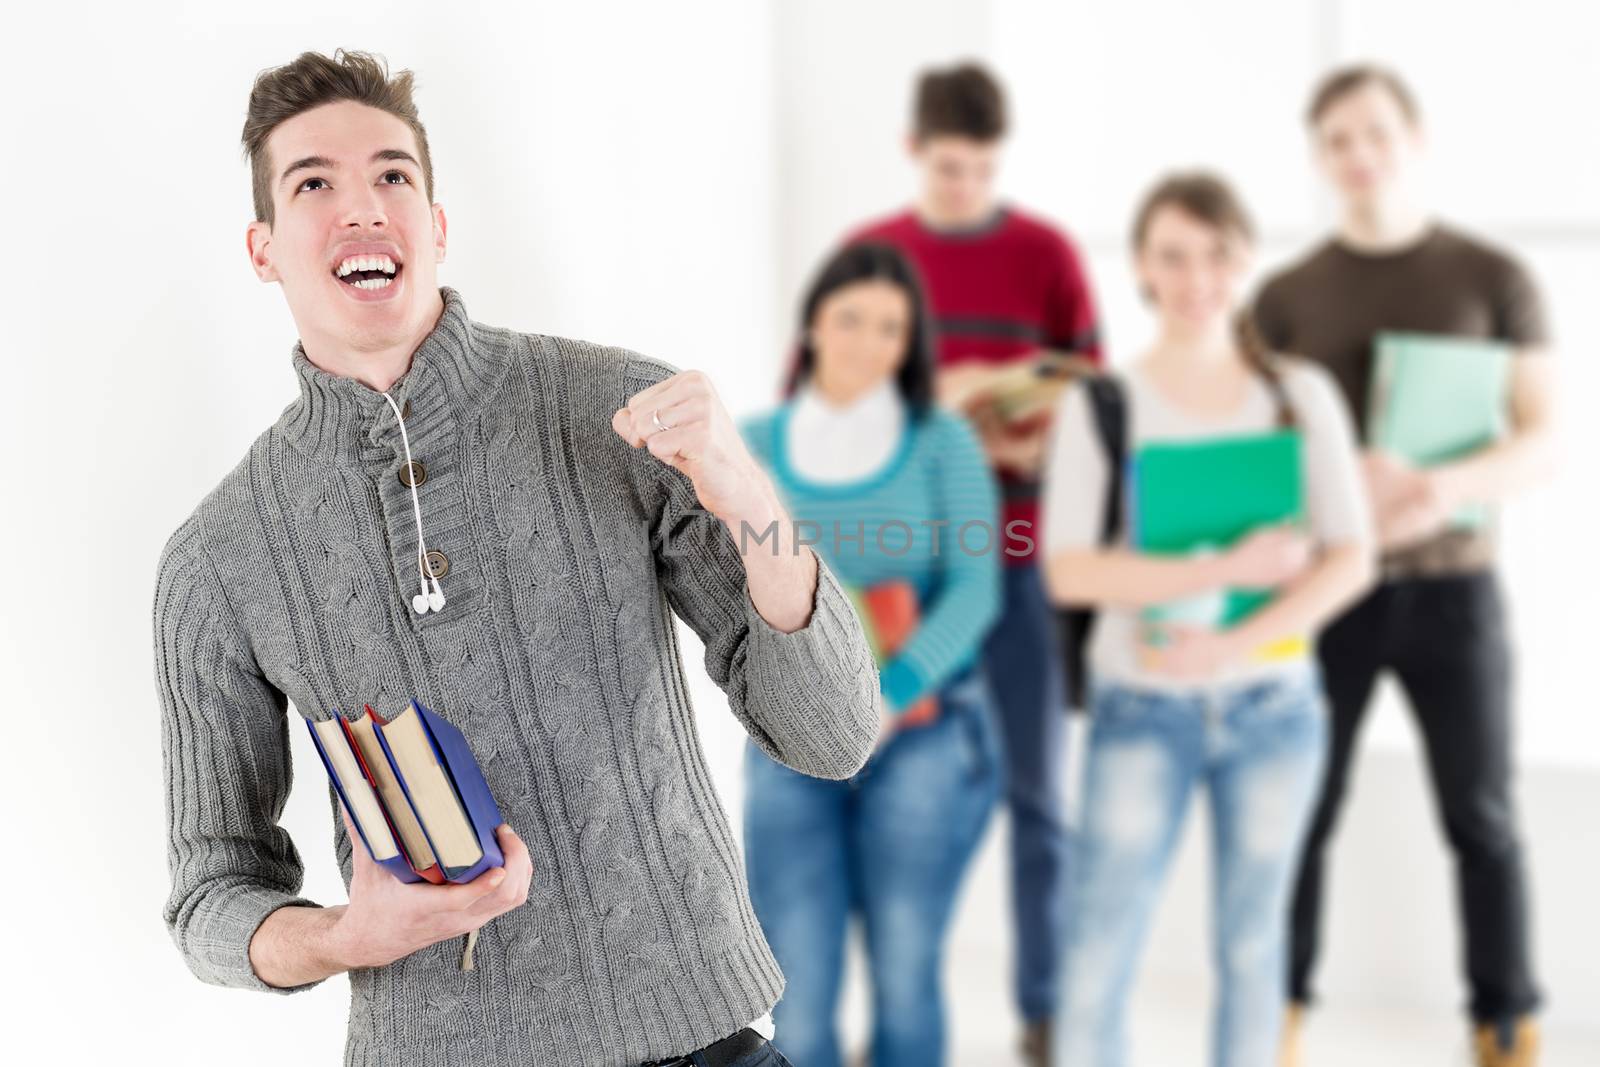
{"x":897,"y":497}
{"x":881,"y":527}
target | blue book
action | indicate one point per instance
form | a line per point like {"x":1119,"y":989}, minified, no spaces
{"x":445,"y":787}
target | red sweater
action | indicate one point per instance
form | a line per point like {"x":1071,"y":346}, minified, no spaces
{"x":998,"y":293}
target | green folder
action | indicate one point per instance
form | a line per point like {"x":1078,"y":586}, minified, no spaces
{"x":1203,"y":496}
{"x":1435,"y":398}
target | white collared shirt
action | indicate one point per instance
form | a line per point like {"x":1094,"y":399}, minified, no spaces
{"x":829,"y":444}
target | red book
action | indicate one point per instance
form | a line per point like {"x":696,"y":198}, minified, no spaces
{"x":891,"y":612}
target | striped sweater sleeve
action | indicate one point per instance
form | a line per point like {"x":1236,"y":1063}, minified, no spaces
{"x":967,"y":599}
{"x":225,"y":763}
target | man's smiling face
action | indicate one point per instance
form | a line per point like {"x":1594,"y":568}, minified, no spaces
{"x":353,"y":240}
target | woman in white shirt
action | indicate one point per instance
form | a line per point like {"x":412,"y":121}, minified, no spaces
{"x":1181,"y":706}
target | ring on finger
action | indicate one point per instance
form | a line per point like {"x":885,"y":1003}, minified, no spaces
{"x":655,"y":420}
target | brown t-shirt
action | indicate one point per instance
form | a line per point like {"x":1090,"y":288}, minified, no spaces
{"x":1331,"y":305}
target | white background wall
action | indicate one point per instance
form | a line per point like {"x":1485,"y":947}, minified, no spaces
{"x":665,"y":177}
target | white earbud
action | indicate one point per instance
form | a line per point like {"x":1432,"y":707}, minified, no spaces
{"x":424,"y":601}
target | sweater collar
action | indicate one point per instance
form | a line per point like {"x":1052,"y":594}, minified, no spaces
{"x":337,"y":416}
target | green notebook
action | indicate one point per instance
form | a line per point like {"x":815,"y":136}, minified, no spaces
{"x":1435,"y":398}
{"x":1203,"y":496}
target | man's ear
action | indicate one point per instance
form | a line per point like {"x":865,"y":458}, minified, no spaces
{"x":913,"y":146}
{"x":440,"y":228}
{"x":258,"y":241}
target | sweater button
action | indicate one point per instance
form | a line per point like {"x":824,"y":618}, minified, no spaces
{"x":413,"y":473}
{"x":405,"y":409}
{"x":437,"y":562}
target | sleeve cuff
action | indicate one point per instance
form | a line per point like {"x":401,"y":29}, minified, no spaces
{"x":216,"y":942}
{"x":815,"y":690}
{"x":902,"y":685}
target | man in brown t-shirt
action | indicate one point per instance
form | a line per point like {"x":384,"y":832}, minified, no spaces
{"x":1437,"y":620}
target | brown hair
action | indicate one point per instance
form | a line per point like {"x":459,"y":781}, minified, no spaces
{"x":313,"y":79}
{"x":1342,"y":81}
{"x":1208,"y":199}
{"x":964,"y":101}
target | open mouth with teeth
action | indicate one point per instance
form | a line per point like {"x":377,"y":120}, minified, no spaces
{"x":367,"y":272}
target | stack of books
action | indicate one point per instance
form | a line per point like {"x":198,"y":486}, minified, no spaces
{"x":415,"y":793}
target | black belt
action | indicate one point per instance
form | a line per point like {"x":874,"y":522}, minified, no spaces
{"x":720,"y":1054}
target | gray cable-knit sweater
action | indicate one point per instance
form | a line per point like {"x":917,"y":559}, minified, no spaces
{"x":568,"y":553}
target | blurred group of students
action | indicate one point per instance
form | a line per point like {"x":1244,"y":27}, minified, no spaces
{"x":956,"y":441}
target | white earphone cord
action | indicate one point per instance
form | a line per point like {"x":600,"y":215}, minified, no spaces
{"x":422,"y":602}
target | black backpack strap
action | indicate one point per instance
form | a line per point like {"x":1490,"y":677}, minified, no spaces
{"x":1108,"y":408}
{"x":1108,"y":403}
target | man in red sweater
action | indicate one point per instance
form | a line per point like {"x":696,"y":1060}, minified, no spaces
{"x":1005,"y":289}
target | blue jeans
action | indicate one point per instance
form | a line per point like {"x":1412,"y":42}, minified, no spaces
{"x":1023,"y":658}
{"x":889,"y":845}
{"x":1259,"y":749}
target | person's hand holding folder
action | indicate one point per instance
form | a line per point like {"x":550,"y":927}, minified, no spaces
{"x":1409,"y":503}
{"x":387,"y":918}
{"x":1266,"y":558}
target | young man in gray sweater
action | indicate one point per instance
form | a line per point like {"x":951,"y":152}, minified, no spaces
{"x":501,"y":525}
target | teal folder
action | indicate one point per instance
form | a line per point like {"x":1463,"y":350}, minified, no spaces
{"x":1203,"y":496}
{"x":1435,"y":398}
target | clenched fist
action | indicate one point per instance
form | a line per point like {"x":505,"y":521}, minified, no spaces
{"x":682,"y":422}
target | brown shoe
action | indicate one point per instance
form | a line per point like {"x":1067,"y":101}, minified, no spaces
{"x":1291,"y":1051}
{"x":1510,"y":1044}
{"x":1035,"y":1044}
